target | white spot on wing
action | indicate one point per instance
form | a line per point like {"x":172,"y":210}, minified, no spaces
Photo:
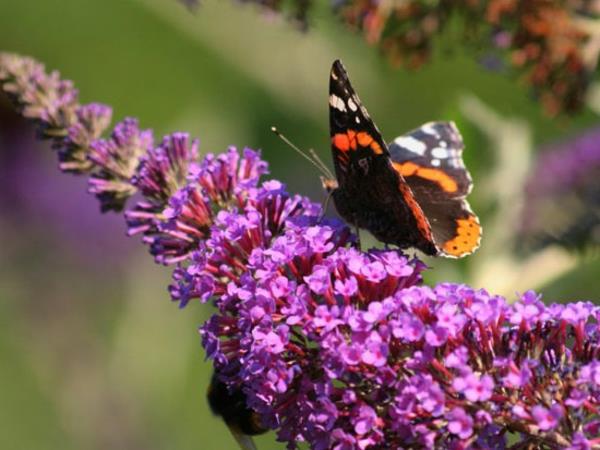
{"x":440,"y":153}
{"x":435,"y":162}
{"x":411,"y":144}
{"x":429,"y":128}
{"x":457,"y":163}
{"x":352,"y":105}
{"x":337,"y":103}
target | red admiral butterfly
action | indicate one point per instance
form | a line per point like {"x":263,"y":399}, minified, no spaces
{"x":410,"y":193}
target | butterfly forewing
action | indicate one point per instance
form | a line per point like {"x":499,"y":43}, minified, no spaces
{"x":353,"y":133}
{"x":369,"y":193}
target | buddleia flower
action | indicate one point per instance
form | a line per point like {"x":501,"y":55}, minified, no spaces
{"x":218,"y":183}
{"x":116,"y":161}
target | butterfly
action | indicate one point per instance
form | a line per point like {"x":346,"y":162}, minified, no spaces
{"x":411,"y":192}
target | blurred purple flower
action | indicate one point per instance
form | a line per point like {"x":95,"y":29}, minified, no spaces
{"x":547,"y":418}
{"x":32,"y":200}
{"x":91,"y":122}
{"x":45,"y":98}
{"x":117,"y":160}
{"x":562,"y":195}
{"x":564,"y":166}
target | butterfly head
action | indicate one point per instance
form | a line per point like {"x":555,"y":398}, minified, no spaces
{"x":329,"y":184}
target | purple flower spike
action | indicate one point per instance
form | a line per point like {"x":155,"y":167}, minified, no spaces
{"x":331,"y":346}
{"x":117,"y":160}
{"x":165,"y":168}
{"x":162,"y":172}
{"x":229,"y":176}
{"x":238,"y":240}
{"x":91,"y":122}
{"x":564,"y":183}
{"x":45,"y":98}
{"x":225,"y":182}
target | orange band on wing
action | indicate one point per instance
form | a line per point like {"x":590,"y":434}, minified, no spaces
{"x":466,"y":240}
{"x":422,"y":222}
{"x":408,"y":169}
{"x":341,"y":142}
{"x":351,"y":140}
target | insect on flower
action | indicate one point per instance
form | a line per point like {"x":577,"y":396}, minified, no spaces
{"x":411,"y":192}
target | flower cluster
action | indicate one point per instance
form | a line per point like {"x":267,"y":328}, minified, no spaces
{"x":179,"y":195}
{"x":542,"y":40}
{"x":217,"y":183}
{"x":546,"y":42}
{"x":345,"y":349}
{"x":330,"y":345}
{"x":562,"y":195}
{"x":45,"y":98}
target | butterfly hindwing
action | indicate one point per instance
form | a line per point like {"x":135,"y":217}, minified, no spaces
{"x":434,"y":150}
{"x":430,"y":161}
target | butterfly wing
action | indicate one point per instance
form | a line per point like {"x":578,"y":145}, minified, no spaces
{"x":352,"y":131}
{"x":430,"y":161}
{"x":372,"y":194}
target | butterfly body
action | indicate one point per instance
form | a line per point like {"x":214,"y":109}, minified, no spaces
{"x":374,"y":207}
{"x":410,"y":193}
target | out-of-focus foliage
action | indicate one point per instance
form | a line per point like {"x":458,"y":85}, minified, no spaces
{"x":551,"y":45}
{"x":542,"y":40}
{"x":93,"y":354}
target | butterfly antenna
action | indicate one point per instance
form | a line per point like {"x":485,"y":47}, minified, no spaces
{"x":312,"y":158}
{"x":324,"y":167}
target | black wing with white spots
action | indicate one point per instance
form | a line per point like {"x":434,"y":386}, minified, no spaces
{"x":430,"y":161}
{"x":437,"y":146}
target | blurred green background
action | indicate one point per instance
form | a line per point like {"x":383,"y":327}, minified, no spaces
{"x":93,"y":355}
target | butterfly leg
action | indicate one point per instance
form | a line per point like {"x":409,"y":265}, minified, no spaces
{"x":325,"y":207}
{"x":357,"y":232}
